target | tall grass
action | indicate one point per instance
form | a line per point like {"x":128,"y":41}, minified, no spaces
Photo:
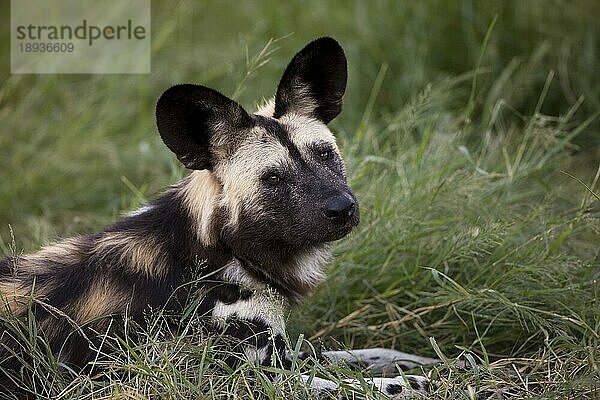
{"x":476,"y":163}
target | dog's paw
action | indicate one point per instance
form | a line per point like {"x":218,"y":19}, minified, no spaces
{"x":379,"y":361}
{"x":402,"y":387}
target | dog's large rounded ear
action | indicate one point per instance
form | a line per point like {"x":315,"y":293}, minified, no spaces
{"x":192,"y":120}
{"x":314,"y":82}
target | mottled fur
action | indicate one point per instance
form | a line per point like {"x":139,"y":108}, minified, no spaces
{"x":246,"y":233}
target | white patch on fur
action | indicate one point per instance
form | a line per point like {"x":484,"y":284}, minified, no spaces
{"x":265,"y":305}
{"x":233,"y":272}
{"x":379,"y":360}
{"x":257,"y":356}
{"x":201,"y":193}
{"x":320,"y":385}
{"x":267,"y":109}
{"x":139,"y":211}
{"x":381,"y":384}
{"x":310,"y":266}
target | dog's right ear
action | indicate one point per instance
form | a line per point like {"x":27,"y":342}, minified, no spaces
{"x":195,"y":122}
{"x":314,"y":82}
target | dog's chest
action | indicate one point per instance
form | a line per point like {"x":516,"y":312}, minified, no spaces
{"x":263,"y":306}
{"x":256,"y":320}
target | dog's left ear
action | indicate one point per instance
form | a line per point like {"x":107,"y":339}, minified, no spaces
{"x":314,"y":82}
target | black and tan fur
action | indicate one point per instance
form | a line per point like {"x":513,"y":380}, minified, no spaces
{"x":266,"y":195}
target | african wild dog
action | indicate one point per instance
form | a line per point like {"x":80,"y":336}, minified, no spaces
{"x":266,"y":196}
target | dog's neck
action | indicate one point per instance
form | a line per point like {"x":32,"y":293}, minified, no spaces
{"x":293,"y":271}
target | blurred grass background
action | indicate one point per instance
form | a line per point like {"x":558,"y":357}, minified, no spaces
{"x":471,"y":234}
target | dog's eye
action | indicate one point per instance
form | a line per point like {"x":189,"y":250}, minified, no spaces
{"x":272,"y":178}
{"x":325,"y":155}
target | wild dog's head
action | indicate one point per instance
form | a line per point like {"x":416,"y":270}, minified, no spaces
{"x":283,"y":186}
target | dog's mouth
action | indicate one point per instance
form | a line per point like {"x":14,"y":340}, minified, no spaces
{"x":339,"y":234}
{"x":340,"y":231}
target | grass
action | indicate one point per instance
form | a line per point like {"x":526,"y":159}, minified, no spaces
{"x":475,"y":157}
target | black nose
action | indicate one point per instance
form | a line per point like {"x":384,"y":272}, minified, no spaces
{"x":339,"y":207}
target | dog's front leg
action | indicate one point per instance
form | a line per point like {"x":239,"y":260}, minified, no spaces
{"x":379,"y":361}
{"x":400,"y":387}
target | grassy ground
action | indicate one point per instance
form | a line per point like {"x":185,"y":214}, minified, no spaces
{"x":476,"y":162}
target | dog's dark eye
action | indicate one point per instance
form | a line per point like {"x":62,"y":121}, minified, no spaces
{"x":325,"y":155}
{"x":272,"y":178}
